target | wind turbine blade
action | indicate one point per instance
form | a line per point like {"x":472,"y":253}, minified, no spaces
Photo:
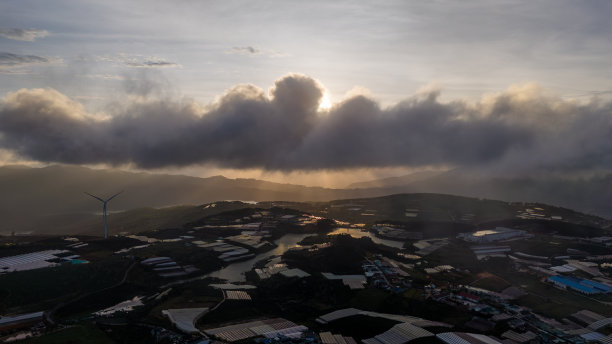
{"x":115,"y":195}
{"x":96,"y":197}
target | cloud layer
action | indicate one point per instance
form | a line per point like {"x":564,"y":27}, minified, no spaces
{"x":16,"y":60}
{"x":248,"y":50}
{"x":139,"y":61}
{"x":521,"y":129}
{"x":29,"y":35}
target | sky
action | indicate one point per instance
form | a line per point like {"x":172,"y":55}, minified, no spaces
{"x":316,"y":92}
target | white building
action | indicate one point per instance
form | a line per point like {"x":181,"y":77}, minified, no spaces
{"x":491,"y":235}
{"x":30,"y":261}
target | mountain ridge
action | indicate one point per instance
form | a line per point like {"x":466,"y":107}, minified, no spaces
{"x":32,"y":194}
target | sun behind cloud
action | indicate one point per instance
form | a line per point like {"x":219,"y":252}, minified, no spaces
{"x":325,"y":103}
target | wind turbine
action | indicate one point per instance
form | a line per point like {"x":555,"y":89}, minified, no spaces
{"x":105,"y":202}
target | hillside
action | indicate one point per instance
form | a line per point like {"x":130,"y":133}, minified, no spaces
{"x":52,"y":199}
{"x":36,"y":199}
{"x":425,"y":209}
{"x":591,"y":194}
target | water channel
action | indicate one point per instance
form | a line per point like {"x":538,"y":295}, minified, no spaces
{"x":235,"y":271}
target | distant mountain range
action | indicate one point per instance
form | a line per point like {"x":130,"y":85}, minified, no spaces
{"x":32,"y":199}
{"x":589,"y":195}
{"x":36,"y":198}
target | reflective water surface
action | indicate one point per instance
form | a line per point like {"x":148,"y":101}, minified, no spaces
{"x":358,"y":233}
{"x":235,"y":271}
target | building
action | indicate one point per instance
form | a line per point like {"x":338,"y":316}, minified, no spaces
{"x":465,"y":338}
{"x":352,"y":281}
{"x":330,"y":338}
{"x":583,"y":286}
{"x":19,"y":321}
{"x":38,"y":260}
{"x":483,"y":251}
{"x":496,"y":234}
{"x":400,"y":333}
{"x":268,"y":328}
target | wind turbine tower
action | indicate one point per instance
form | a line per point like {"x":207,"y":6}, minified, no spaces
{"x":105,"y":202}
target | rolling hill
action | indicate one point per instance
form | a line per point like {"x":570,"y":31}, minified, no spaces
{"x":52,"y":200}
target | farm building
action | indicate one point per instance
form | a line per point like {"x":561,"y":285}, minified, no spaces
{"x":496,"y":234}
{"x":583,"y":286}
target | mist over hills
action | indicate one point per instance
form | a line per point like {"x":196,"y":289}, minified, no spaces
{"x":51,"y":198}
{"x":590,"y":195}
{"x":396,"y":181}
{"x":33,"y":198}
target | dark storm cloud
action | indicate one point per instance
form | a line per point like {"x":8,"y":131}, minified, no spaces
{"x":415,"y":133}
{"x":13,"y":60}
{"x":521,"y":128}
{"x":29,"y":35}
